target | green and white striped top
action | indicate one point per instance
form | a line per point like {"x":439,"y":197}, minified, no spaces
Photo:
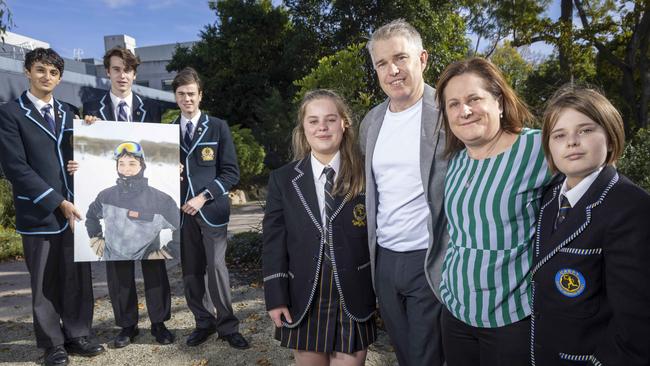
{"x":491,"y":206}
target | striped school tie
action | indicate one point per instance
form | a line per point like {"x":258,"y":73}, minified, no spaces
{"x":47,"y":116}
{"x":562,"y":213}
{"x":329,"y":206}
{"x":187,"y":138}
{"x":121,"y":112}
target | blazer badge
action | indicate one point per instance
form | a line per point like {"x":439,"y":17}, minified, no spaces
{"x":207,"y":154}
{"x":570,"y":282}
{"x":359,"y":215}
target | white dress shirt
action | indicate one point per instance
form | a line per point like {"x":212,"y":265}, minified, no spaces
{"x":574,"y":194}
{"x":195,"y":122}
{"x":127,"y":108}
{"x":38,"y":103}
{"x":320,"y":179}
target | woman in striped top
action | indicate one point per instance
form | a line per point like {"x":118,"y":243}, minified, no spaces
{"x":494,"y":181}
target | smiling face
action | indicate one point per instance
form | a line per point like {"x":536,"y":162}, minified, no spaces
{"x":128,"y":166}
{"x":472,"y":111}
{"x":399,"y":66}
{"x":578,"y":145}
{"x":121,"y":76}
{"x":324,"y":128}
{"x":188,"y":98}
{"x":43,"y":78}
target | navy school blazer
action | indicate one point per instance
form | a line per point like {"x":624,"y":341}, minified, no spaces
{"x":210,"y":163}
{"x":143,"y":110}
{"x":591,"y":277}
{"x":293,"y":246}
{"x":33,"y":160}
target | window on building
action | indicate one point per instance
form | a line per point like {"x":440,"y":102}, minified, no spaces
{"x":167,"y":84}
{"x":142,"y":83}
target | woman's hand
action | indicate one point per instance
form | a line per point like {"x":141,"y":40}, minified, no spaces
{"x":276,"y":315}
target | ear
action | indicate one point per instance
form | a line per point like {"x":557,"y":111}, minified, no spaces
{"x":424,"y":57}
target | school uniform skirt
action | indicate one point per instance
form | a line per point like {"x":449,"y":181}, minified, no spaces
{"x":326,"y":328}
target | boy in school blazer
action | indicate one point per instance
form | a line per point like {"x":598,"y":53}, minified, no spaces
{"x":591,"y":278}
{"x":121,"y":104}
{"x":35,"y":142}
{"x":210,"y":171}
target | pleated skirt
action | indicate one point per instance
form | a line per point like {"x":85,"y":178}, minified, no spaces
{"x":326,"y":328}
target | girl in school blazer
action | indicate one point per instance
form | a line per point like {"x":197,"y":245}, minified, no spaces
{"x":317,"y":282}
{"x":591,"y":277}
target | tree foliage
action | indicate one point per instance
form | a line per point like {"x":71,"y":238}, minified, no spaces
{"x":250,"y":155}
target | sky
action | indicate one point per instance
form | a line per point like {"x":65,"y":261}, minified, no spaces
{"x":70,"y":24}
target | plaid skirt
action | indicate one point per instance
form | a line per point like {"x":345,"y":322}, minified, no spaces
{"x":326,"y":328}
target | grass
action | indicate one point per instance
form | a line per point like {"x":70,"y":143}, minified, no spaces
{"x":11,"y":246}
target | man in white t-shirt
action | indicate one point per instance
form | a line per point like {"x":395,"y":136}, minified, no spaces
{"x":405,"y":174}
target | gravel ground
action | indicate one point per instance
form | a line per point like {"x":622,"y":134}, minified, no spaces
{"x":17,"y":345}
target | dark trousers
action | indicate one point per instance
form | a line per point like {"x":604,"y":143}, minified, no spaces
{"x":62,"y":291}
{"x":408,"y":307}
{"x":203,"y":258}
{"x":120,"y":276}
{"x":466,"y":345}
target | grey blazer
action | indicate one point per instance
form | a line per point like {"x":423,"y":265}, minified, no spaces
{"x":433,"y":167}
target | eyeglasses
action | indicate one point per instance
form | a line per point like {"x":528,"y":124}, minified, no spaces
{"x":133,"y":148}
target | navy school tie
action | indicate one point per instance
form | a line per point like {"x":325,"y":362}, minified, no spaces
{"x":121,"y":112}
{"x":187,"y":138}
{"x":562,"y":213}
{"x":47,"y":116}
{"x":329,"y":206}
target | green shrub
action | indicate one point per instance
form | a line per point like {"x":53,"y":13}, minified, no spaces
{"x":245,"y":250}
{"x":7,"y":211}
{"x":250,"y":155}
{"x":635,"y":163}
{"x":10,"y":244}
{"x":170,"y":115}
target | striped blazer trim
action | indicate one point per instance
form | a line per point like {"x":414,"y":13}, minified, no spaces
{"x":582,"y":227}
{"x":319,"y":263}
{"x":580,"y":358}
{"x":581,"y":251}
{"x":279,"y":275}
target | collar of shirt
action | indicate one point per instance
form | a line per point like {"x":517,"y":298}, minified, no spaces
{"x":38,"y":103}
{"x":116,"y":102}
{"x":574,"y":194}
{"x":195,"y":122}
{"x":317,"y":167}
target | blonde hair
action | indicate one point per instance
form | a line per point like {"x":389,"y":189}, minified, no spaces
{"x":350,"y":179}
{"x":592,"y":104}
{"x":515,"y":111}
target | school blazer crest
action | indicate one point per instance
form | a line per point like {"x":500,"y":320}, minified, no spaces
{"x":294,"y":245}
{"x":590,"y":277}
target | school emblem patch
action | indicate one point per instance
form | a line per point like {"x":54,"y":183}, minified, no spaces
{"x":359,"y":215}
{"x":570,"y":282}
{"x":207,"y":154}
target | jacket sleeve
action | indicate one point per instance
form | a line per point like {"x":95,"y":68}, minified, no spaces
{"x":227,"y":174}
{"x":171,"y":212}
{"x":275,"y":261}
{"x":18,"y":171}
{"x":94,"y":214}
{"x":363,"y":132}
{"x":626,"y":253}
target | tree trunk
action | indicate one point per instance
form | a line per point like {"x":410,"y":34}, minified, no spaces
{"x":566,"y":38}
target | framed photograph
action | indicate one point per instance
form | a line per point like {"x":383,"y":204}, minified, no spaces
{"x":127,"y":188}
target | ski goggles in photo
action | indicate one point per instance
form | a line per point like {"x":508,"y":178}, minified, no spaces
{"x":130,"y":147}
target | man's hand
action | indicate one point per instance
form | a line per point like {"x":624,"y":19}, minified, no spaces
{"x":89,"y":120}
{"x":276,"y":314}
{"x":70,"y":212}
{"x":193,"y":206}
{"x":72,"y":167}
{"x":98,"y":244}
